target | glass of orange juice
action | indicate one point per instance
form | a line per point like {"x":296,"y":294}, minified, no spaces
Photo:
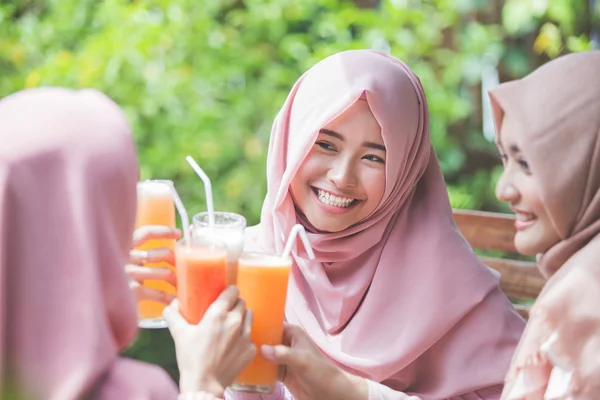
{"x":155,"y":207}
{"x":228,"y":228}
{"x":263,"y":281}
{"x":201,"y":275}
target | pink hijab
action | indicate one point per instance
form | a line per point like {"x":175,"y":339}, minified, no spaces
{"x":400,"y":297}
{"x":68,"y":175}
{"x":557,"y":110}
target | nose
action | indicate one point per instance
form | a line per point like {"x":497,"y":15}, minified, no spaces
{"x":342,"y":174}
{"x":506,"y":190}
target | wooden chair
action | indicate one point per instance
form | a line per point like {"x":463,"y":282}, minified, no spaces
{"x":521,"y":281}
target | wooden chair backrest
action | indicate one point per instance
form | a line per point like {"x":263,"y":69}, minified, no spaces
{"x":521,"y":281}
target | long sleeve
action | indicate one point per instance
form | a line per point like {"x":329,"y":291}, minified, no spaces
{"x":280,"y":393}
{"x":197,"y":396}
{"x":378,"y":391}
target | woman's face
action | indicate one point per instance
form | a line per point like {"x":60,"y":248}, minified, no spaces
{"x":518,"y":186}
{"x":342,"y":180}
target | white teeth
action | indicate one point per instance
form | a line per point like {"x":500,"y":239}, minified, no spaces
{"x":525,"y":217}
{"x":331,"y":200}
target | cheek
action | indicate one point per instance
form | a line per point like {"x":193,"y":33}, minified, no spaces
{"x":530,"y":197}
{"x":500,"y":186}
{"x":309,"y":171}
{"x":374,"y":184}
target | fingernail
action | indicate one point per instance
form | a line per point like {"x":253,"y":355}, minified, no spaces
{"x":267,"y":351}
{"x":233,"y":289}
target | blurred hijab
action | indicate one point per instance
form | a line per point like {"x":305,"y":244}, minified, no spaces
{"x":557,"y":112}
{"x":68,"y":173}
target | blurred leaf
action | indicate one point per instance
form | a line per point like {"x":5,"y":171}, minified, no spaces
{"x":549,"y":40}
{"x":519,"y":16}
{"x":579,"y":43}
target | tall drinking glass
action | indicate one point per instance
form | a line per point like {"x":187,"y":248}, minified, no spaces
{"x":201,"y":275}
{"x":155,"y":207}
{"x":229,"y":228}
{"x":263,"y":281}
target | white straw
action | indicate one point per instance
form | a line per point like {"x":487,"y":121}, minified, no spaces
{"x":185,"y":221}
{"x":298,"y":230}
{"x":207,"y":189}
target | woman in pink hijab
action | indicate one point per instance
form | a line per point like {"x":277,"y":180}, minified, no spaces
{"x":548,"y":126}
{"x":396,"y":302}
{"x":68,"y":174}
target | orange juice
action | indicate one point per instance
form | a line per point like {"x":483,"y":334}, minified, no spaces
{"x":155,"y":207}
{"x":201,"y":277}
{"x":263,"y":281}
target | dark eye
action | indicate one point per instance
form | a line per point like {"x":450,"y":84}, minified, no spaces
{"x":523,"y":164}
{"x":374,"y":158}
{"x":325,"y":146}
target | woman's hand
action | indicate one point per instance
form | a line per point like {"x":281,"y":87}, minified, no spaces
{"x":211,"y":354}
{"x":308,"y":374}
{"x":558,"y":352}
{"x":138,"y":273}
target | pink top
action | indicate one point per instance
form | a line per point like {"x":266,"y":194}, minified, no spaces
{"x":400,"y":298}
{"x":68,"y":175}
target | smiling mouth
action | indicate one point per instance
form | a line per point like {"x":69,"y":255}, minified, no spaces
{"x":330,"y":199}
{"x":524,"y":220}
{"x":525,"y":217}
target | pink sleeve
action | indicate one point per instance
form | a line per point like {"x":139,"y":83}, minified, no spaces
{"x":280,"y":393}
{"x":378,"y":391}
{"x":197,"y":396}
{"x":131,"y":379}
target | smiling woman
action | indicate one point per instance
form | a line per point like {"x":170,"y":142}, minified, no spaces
{"x":548,"y":132}
{"x":342,"y":180}
{"x":395,"y":305}
{"x":517,"y":186}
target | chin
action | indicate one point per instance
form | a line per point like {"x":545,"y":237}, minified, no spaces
{"x":319,"y":225}
{"x":526,"y":249}
{"x":529,"y":247}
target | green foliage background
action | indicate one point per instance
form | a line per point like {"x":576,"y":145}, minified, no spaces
{"x":206,"y":77}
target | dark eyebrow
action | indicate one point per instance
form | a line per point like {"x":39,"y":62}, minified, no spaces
{"x":514,"y":149}
{"x":331,"y":133}
{"x":336,"y":135}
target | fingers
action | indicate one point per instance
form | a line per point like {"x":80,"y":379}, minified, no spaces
{"x":294,"y":352}
{"x":291,"y":333}
{"x":235,"y":321}
{"x":247,"y":329}
{"x":237,"y":315}
{"x":150,"y":232}
{"x":281,"y":355}
{"x":173,"y":316}
{"x":162,"y":254}
{"x":248,"y":354}
{"x":225,"y":302}
{"x":140,"y":274}
{"x":145,"y":293}
{"x":248,"y":350}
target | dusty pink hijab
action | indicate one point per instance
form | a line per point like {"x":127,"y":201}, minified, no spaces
{"x":68,"y":175}
{"x":557,"y":109}
{"x":399,"y":298}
